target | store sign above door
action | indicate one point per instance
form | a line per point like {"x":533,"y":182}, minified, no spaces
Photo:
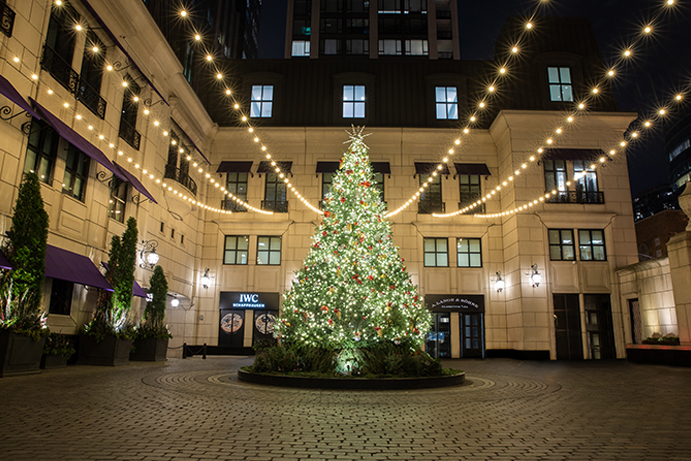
{"x":465,"y":303}
{"x":248,"y":300}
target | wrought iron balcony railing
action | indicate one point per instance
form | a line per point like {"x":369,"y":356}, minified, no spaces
{"x":277,"y":206}
{"x":174,"y":173}
{"x":7,"y":20}
{"x":60,"y":69}
{"x":91,"y":99}
{"x":129,"y":134}
{"x":231,"y":205}
{"x":573,"y":196}
{"x":427,"y":207}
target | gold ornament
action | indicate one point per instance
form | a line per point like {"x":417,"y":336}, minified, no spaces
{"x":338,"y":314}
{"x":380,"y":332}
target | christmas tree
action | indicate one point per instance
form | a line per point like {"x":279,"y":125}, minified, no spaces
{"x":354,"y":290}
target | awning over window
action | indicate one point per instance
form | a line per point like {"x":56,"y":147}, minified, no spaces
{"x":381,"y":167}
{"x":327,"y":167}
{"x":428,"y":168}
{"x":137,"y":290}
{"x":135,"y":183}
{"x":265,"y":167}
{"x":572,"y":154}
{"x":72,"y":267}
{"x":234,"y":167}
{"x":77,"y":140}
{"x":479,"y":169}
{"x":11,"y":93}
{"x":4,"y":263}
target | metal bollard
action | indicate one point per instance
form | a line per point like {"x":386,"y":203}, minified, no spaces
{"x":184,"y":350}
{"x":204,"y":356}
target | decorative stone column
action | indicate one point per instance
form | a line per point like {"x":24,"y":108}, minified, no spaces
{"x":679,"y":250}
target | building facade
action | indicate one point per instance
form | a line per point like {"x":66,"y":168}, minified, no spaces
{"x":556,"y":257}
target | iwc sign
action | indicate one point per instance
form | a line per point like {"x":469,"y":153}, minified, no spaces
{"x":248,"y":300}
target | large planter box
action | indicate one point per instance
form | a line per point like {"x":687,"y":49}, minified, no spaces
{"x":49,"y":361}
{"x":19,"y":354}
{"x":149,"y":350}
{"x":111,"y":351}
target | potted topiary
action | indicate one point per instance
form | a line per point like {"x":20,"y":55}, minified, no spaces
{"x":57,"y":351}
{"x":151,"y":342}
{"x":107,"y":338}
{"x":22,"y":322}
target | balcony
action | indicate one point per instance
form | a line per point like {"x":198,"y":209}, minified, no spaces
{"x":572,"y":196}
{"x":129,"y":134}
{"x":60,"y":69}
{"x":183,"y":178}
{"x":231,"y":205}
{"x":425,"y":207}
{"x":91,"y":99}
{"x":277,"y":206}
{"x":7,"y":22}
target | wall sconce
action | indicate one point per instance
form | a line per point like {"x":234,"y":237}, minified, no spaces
{"x":175,"y":302}
{"x":206,"y":280}
{"x":499,"y":283}
{"x":148,"y":254}
{"x":535,"y":277}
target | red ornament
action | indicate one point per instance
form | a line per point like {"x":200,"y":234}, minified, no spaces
{"x":349,"y":172}
{"x":327,"y":214}
{"x":342,"y":199}
{"x":370,"y":278}
{"x":324,"y":233}
{"x":325,"y":309}
{"x":331,"y":322}
{"x":369,"y":247}
{"x":362,"y":202}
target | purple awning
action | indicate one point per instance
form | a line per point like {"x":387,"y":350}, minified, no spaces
{"x":72,"y":267}
{"x":137,"y":290}
{"x":479,"y":169}
{"x":429,"y":168}
{"x":4,"y":263}
{"x":135,"y":183}
{"x":234,"y":167}
{"x":78,"y":140}
{"x":11,"y":93}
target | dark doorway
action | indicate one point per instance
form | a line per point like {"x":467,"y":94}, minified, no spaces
{"x":635,"y":315}
{"x":471,"y":335}
{"x":231,"y":329}
{"x":264,"y":322}
{"x":438,"y":339}
{"x":567,"y":327}
{"x":598,"y":321}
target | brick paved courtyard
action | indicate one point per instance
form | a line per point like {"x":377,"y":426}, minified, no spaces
{"x":196,"y":409}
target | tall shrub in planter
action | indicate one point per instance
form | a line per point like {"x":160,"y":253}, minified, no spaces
{"x":22,"y":324}
{"x":107,"y":339}
{"x":151,"y":343}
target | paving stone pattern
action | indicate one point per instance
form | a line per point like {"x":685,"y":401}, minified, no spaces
{"x":196,"y":409}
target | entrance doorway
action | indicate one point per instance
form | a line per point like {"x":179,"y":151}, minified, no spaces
{"x":438,"y":339}
{"x":471,"y":335}
{"x":598,"y":322}
{"x":635,"y":315}
{"x":567,"y":327}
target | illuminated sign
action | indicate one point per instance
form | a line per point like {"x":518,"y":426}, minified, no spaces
{"x":465,"y":303}
{"x":248,"y":300}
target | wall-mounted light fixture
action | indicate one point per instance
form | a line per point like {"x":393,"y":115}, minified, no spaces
{"x":499,"y":283}
{"x":206,"y":280}
{"x":148,"y":254}
{"x":535,"y":277}
{"x":175,"y":302}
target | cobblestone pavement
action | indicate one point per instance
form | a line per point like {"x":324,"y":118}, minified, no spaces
{"x":196,"y":409}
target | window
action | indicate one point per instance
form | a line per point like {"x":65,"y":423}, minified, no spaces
{"x":560,"y":88}
{"x":188,"y":67}
{"x":415,"y":6}
{"x":436,"y":252}
{"x":128,"y":118}
{"x":555,"y":175}
{"x":118,"y":198}
{"x":172,"y":233}
{"x":353,"y":101}
{"x":236,"y":249}
{"x":269,"y":251}
{"x":378,"y":183}
{"x":430,"y":200}
{"x":591,"y":244}
{"x":163,"y":226}
{"x":469,"y":252}
{"x":262,"y":101}
{"x":41,"y":151}
{"x":302,"y":27}
{"x":469,"y":185}
{"x":301,"y":48}
{"x":357,"y":46}
{"x":416,"y":47}
{"x":76,"y":173}
{"x":182,"y":239}
{"x":61,"y":297}
{"x":331,"y":25}
{"x":93,"y":63}
{"x":357,"y":26}
{"x":357,"y":6}
{"x":327,"y":180}
{"x":585,"y":175}
{"x":302,"y":7}
{"x":561,"y":245}
{"x":389,"y":6}
{"x":60,"y":44}
{"x":332,"y":6}
{"x":447,"y":102}
{"x":330,"y":46}
{"x":390,"y":47}
{"x":275,"y":194}
{"x":236,"y":184}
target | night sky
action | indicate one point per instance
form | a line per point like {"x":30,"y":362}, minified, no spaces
{"x":661,"y":65}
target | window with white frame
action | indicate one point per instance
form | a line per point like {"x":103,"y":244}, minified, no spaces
{"x":353,"y":101}
{"x":560,"y":85}
{"x":262,"y":101}
{"x":301,"y":48}
{"x":446,"y":98}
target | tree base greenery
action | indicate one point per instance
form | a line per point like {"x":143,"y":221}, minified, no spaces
{"x":148,"y":331}
{"x":379,"y":361}
{"x":99,"y":329}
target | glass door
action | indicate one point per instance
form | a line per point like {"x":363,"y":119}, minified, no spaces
{"x":471,"y":335}
{"x":438,"y":339}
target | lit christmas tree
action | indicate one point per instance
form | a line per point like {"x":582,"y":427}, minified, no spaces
{"x":354,"y":290}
